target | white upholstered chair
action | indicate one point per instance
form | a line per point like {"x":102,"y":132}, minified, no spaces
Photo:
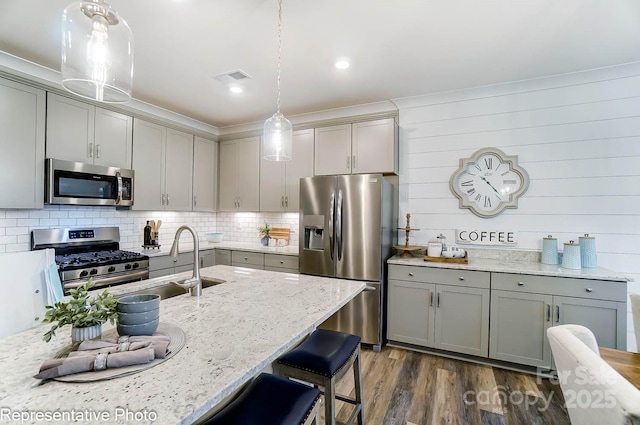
{"x":595,"y":394}
{"x":635,"y":312}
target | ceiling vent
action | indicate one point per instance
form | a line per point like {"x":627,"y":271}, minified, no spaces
{"x":232,"y":77}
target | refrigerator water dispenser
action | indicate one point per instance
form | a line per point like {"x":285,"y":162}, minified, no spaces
{"x":313,"y":232}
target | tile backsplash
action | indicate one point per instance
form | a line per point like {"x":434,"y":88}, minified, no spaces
{"x":16,"y":225}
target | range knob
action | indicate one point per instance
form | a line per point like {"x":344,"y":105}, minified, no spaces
{"x":136,"y":265}
{"x":84,"y":273}
{"x":111,"y":269}
{"x":127,"y":266}
{"x":93,"y":271}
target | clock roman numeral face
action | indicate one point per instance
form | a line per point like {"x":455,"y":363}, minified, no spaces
{"x":486,"y":182}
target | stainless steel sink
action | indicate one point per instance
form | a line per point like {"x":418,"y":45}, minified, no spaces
{"x":169,"y":290}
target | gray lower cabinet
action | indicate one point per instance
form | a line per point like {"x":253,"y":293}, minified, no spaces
{"x":281,"y":263}
{"x":523,"y":307}
{"x":207,"y":258}
{"x":519,"y":323}
{"x":247,"y":259}
{"x":166,"y":264}
{"x":452,"y":316}
{"x":222,"y":257}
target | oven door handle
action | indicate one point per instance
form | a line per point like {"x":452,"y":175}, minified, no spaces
{"x":143,"y":274}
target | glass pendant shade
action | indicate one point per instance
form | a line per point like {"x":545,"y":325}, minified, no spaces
{"x":277,"y":139}
{"x":97,"y":52}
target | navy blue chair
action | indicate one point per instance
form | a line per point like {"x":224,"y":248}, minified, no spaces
{"x":271,"y":400}
{"x":322,"y":359}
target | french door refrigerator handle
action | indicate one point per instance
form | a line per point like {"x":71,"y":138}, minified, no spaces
{"x":339,"y":225}
{"x":331,"y":208}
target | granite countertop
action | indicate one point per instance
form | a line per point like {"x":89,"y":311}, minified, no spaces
{"x":234,"y":331}
{"x":237,"y":246}
{"x":517,"y":267}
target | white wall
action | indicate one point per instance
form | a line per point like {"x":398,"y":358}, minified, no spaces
{"x":578,"y":137}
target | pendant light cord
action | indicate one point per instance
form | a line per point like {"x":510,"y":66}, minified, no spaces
{"x":279,"y":50}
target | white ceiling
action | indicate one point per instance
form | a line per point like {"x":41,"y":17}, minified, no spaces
{"x":398,"y":48}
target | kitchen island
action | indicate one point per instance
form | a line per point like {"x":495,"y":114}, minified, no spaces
{"x":233,"y":331}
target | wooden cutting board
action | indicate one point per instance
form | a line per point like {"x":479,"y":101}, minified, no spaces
{"x":280,"y":233}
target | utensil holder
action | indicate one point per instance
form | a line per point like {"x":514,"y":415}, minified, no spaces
{"x":549,"y":250}
{"x":588,"y":256}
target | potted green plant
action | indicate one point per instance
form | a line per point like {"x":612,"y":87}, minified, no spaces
{"x":83,"y":312}
{"x":264,"y":233}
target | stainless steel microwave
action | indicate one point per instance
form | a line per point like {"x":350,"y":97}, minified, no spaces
{"x":75,"y":183}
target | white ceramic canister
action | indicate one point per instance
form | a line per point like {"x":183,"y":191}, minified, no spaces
{"x":434,"y":248}
{"x":588,"y":257}
{"x":571,"y":256}
{"x":549,"y":250}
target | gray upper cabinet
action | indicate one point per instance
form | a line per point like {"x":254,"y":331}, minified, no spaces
{"x":163,"y":162}
{"x":358,"y":148}
{"x":239,"y":185}
{"x":77,"y":131}
{"x":280,"y":180}
{"x":205,"y":174}
{"x":22,"y":134}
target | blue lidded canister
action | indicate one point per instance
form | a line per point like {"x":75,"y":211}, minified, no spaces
{"x":549,"y":250}
{"x":571,"y":256}
{"x":588,"y":257}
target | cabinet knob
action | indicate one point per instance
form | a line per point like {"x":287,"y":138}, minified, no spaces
{"x":520,"y":283}
{"x":410,"y":274}
{"x":461,"y":278}
{"x":36,"y":318}
{"x":37,"y":291}
{"x":245,"y":258}
{"x":281,"y":262}
{"x":589,"y":290}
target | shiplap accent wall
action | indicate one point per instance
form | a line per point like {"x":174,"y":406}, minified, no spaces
{"x":578,"y":137}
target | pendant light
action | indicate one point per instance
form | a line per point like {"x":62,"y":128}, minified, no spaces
{"x":97,"y":52}
{"x":277,"y":137}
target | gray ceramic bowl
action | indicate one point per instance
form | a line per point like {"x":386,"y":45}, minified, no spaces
{"x":141,"y":329}
{"x":138,"y":318}
{"x":138,"y":303}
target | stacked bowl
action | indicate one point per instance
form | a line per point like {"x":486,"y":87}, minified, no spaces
{"x":138,"y":314}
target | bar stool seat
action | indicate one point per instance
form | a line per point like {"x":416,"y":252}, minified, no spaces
{"x":322,"y":359}
{"x":271,"y":400}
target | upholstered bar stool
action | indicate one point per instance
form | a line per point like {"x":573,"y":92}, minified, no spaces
{"x":271,"y":400}
{"x":322,"y":359}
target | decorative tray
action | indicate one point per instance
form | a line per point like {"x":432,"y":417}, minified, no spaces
{"x":463,"y":260}
{"x":178,"y":340}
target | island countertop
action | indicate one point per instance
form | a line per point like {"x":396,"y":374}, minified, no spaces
{"x":233,"y":331}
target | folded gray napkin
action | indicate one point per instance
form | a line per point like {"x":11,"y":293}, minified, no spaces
{"x":159,"y":343}
{"x":84,"y":363}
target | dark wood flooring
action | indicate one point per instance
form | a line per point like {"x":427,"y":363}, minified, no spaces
{"x":409,"y":388}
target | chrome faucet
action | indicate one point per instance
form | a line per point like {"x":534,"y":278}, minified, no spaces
{"x":194,"y":284}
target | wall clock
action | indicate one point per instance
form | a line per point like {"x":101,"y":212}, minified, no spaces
{"x":489,"y":182}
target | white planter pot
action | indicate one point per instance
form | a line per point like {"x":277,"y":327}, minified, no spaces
{"x":82,"y":334}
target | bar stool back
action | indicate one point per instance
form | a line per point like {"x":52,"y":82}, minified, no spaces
{"x":271,"y":400}
{"x":322,"y":359}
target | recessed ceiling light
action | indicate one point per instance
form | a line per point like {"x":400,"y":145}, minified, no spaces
{"x":342,"y":63}
{"x":235,"y":89}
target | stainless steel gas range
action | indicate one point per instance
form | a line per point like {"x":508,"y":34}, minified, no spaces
{"x":91,"y":253}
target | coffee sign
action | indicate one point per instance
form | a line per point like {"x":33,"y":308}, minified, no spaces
{"x":485,"y":237}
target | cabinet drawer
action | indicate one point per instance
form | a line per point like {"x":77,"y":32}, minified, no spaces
{"x":467,"y":278}
{"x":281,"y":261}
{"x":159,"y":263}
{"x":564,"y":286}
{"x":241,"y":258}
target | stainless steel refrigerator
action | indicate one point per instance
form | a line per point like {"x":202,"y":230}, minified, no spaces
{"x":347,"y":231}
